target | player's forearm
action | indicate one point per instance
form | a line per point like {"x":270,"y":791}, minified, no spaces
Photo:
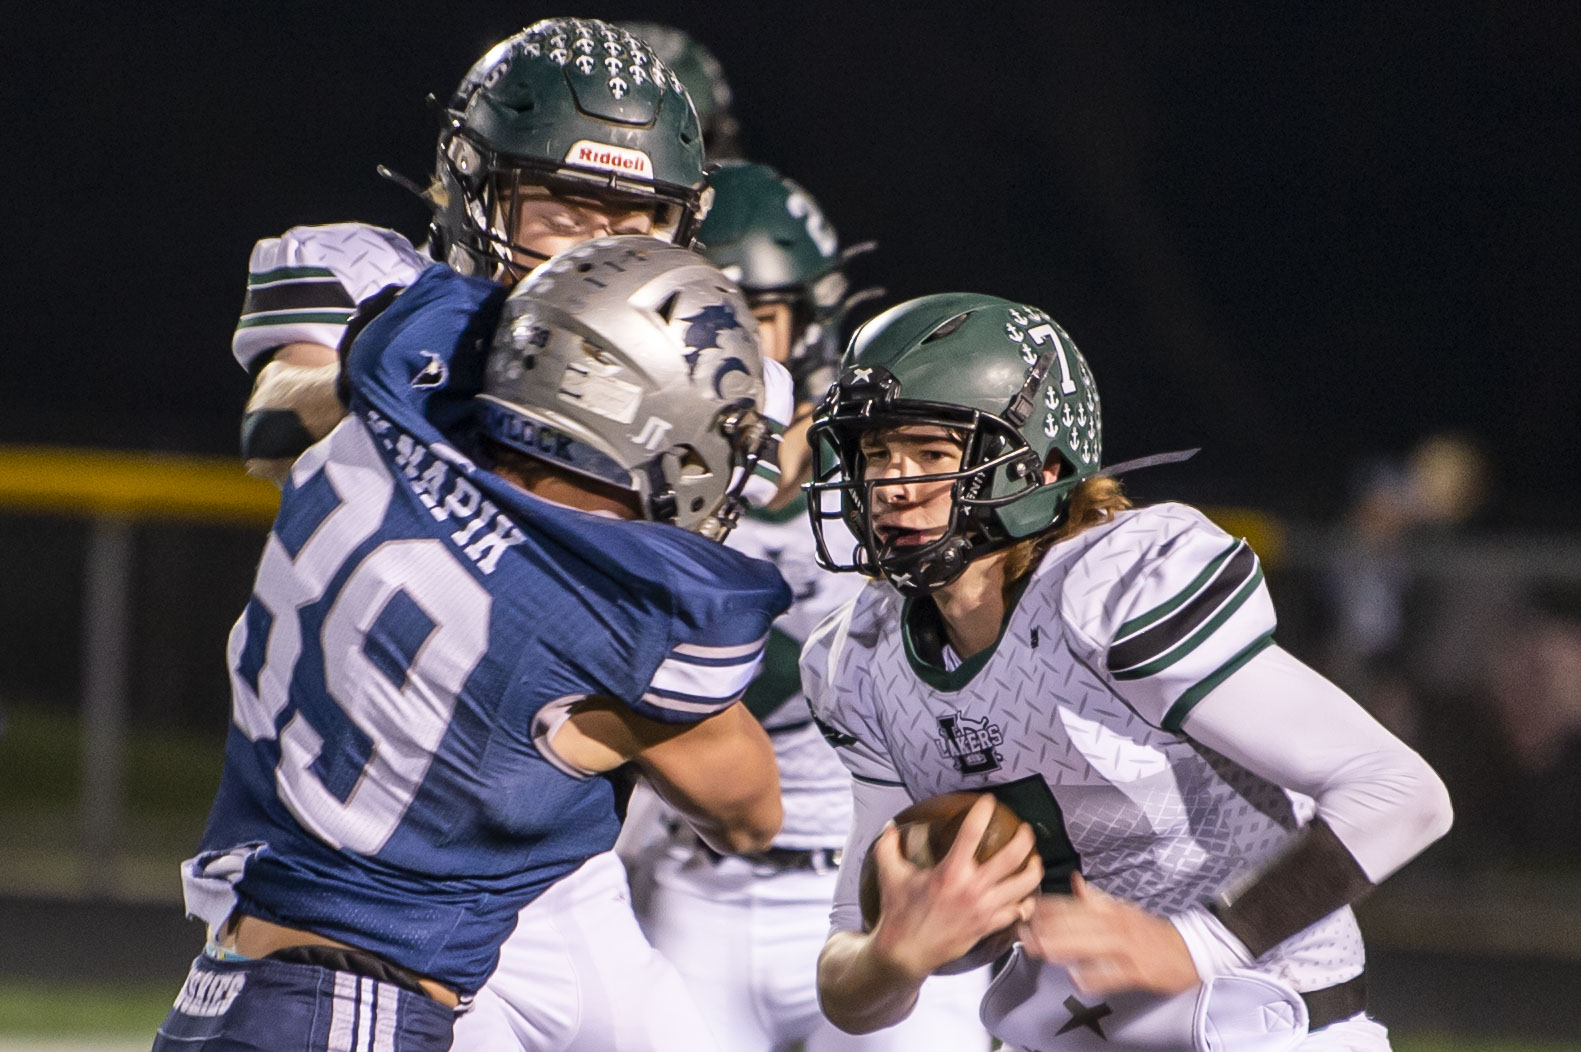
{"x":293,"y":405}
{"x":741,"y":820}
{"x":1379,"y":803}
{"x":858,"y":989}
{"x":721,"y":776}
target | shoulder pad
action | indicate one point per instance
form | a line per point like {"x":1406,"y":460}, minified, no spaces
{"x":1169,"y":605}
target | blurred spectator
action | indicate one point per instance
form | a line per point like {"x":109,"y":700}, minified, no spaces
{"x":1509,"y":743}
{"x":1368,"y":583}
{"x":1479,"y":669}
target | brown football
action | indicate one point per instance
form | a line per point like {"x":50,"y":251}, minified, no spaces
{"x":927,"y":830}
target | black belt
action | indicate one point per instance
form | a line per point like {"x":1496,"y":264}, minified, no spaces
{"x":785,"y":859}
{"x":1333,"y":1003}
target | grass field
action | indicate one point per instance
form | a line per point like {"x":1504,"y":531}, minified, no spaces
{"x":170,"y":779}
{"x":94,"y":1018}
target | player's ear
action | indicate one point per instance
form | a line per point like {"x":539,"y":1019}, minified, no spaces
{"x":1053,"y":467}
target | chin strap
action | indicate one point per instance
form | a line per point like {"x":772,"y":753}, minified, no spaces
{"x":1176,"y":457}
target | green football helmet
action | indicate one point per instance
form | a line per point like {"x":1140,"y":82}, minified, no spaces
{"x":769,"y":235}
{"x":1002,"y":375}
{"x":705,"y":82}
{"x":576,"y":107}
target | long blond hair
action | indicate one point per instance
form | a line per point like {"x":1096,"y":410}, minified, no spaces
{"x":1093,"y":501}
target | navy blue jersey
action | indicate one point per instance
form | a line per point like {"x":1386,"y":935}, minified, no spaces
{"x":413,"y":613}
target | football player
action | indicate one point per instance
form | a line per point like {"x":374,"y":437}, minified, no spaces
{"x":745,"y":931}
{"x":1206,"y":807}
{"x":570,"y":129}
{"x":469,"y":609}
{"x":704,"y":79}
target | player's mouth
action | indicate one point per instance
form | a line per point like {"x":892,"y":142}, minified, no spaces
{"x":905,"y":536}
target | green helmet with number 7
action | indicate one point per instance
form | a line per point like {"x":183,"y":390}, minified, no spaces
{"x":1002,"y":376}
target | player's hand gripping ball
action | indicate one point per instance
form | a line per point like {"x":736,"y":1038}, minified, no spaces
{"x":927,"y":830}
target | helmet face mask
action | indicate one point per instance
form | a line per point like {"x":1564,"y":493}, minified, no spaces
{"x":1019,"y":405}
{"x":575,"y":108}
{"x":633,"y":362}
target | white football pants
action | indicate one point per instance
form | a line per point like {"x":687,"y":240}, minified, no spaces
{"x":746,"y":938}
{"x":577,"y":975}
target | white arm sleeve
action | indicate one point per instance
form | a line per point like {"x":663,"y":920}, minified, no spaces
{"x":1281,"y":720}
{"x":872,"y":807}
{"x":779,"y":406}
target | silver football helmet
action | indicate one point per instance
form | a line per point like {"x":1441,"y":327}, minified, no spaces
{"x":634,"y":362}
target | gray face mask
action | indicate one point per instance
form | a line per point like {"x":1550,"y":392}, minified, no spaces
{"x":634,"y":362}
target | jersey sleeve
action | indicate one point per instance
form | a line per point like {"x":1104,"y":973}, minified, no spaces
{"x":419,"y":358}
{"x":835,"y":676}
{"x":872,"y":806}
{"x":723,"y":606}
{"x":303,"y":286}
{"x":778,"y":406}
{"x":1169,"y":606}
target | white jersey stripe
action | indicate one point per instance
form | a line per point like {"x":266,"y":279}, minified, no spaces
{"x":677,"y":705}
{"x":704,"y":681}
{"x":740,"y":650}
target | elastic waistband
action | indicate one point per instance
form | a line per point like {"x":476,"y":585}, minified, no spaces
{"x":359,"y":962}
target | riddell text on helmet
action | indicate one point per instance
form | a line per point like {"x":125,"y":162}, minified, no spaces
{"x":588,"y":154}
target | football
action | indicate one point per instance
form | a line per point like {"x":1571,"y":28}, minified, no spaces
{"x":927,"y":830}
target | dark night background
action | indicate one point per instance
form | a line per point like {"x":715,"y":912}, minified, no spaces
{"x":1297,"y":235}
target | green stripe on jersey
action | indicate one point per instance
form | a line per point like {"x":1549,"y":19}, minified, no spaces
{"x":1186,"y":702}
{"x":878,"y":781}
{"x":796,"y":507}
{"x":1158,"y":613}
{"x":779,"y":678}
{"x":1201,"y":636}
{"x":264,"y":277}
{"x":309,"y":317}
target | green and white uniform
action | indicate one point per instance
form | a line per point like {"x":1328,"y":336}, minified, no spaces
{"x":303,"y":285}
{"x":1124,"y":712}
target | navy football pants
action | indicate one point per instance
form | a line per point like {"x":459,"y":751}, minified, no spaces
{"x":275,"y":1006}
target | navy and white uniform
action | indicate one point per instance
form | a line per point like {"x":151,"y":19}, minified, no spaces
{"x":414,"y":614}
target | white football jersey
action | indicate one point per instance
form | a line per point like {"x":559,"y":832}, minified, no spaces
{"x":303,"y":286}
{"x":813,"y":782}
{"x":1076,"y":712}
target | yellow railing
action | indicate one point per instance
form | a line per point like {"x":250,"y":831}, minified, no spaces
{"x":97,"y":482}
{"x":104,"y":483}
